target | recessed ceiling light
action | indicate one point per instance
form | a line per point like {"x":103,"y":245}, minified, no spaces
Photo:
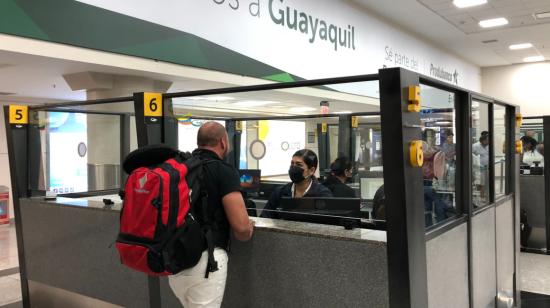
{"x":542,"y":15}
{"x":302,"y":109}
{"x":533,"y":59}
{"x":468,"y":3}
{"x":495,"y":22}
{"x":521,"y":46}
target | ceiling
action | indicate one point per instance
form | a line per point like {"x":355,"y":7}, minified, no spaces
{"x":36,"y":79}
{"x":457,"y":31}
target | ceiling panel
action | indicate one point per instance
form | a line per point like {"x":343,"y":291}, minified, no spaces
{"x":457,"y":30}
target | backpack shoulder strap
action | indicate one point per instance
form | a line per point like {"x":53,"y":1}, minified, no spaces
{"x":200,"y":164}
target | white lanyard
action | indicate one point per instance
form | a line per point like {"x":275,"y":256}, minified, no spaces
{"x":305,"y":192}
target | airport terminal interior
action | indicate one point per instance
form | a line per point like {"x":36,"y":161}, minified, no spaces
{"x":389,"y":153}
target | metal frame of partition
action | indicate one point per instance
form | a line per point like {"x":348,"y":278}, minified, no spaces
{"x":24,"y":152}
{"x":463,"y":99}
{"x":406,"y":234}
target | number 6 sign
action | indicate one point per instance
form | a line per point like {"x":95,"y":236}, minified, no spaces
{"x":152,"y":104}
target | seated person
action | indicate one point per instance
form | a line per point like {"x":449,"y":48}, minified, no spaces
{"x":530,"y":153}
{"x":340,"y":173}
{"x":304,"y":184}
{"x":379,"y":204}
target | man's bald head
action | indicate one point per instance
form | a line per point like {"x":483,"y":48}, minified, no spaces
{"x":210,"y":134}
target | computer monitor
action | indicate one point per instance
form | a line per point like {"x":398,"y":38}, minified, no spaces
{"x":333,"y":211}
{"x":250,"y":180}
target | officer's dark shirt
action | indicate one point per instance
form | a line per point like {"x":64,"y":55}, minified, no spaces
{"x":316,"y":190}
{"x":339,"y":189}
{"x":221,"y":179}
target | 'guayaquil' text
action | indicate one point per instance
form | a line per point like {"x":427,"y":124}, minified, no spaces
{"x":311,"y":26}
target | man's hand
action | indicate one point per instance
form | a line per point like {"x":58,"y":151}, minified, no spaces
{"x":237,"y":216}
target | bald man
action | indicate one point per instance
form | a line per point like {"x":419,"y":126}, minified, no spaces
{"x":226,"y":209}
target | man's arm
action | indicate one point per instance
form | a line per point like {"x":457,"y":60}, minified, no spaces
{"x":237,"y":216}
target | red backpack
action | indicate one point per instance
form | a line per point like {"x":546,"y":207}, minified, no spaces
{"x":159,"y":234}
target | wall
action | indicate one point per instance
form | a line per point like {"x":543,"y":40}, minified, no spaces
{"x":177,"y":32}
{"x":525,"y":85}
{"x":301,"y":52}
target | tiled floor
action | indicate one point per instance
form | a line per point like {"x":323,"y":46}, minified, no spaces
{"x":10,"y":289}
{"x":532,"y":300}
{"x":535,"y":273}
{"x":8,"y":247}
{"x":10,"y":285}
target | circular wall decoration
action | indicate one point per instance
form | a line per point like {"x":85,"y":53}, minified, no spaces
{"x":257,"y":149}
{"x":82,"y":149}
{"x":285,"y":146}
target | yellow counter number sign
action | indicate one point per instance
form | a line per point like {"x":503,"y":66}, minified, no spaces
{"x":19,"y":114}
{"x":152,"y":104}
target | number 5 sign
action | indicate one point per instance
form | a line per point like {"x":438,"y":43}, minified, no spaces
{"x":19,"y":114}
{"x":152,"y":104}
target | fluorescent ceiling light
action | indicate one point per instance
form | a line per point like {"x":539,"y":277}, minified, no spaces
{"x":542,"y":15}
{"x":343,"y":112}
{"x":302,"y":109}
{"x":253,"y":103}
{"x":495,"y":22}
{"x":534,"y":59}
{"x":521,"y":46}
{"x":468,"y":3}
{"x":219,"y":98}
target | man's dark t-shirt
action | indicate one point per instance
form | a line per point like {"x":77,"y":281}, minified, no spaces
{"x":221,"y":179}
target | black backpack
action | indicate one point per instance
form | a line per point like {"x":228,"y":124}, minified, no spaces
{"x":525,"y":228}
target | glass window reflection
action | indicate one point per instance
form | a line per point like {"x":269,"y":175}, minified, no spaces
{"x":480,"y":153}
{"x":437,"y":117}
{"x":499,"y":145}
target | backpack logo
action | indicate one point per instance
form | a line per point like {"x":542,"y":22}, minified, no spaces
{"x":142,"y":181}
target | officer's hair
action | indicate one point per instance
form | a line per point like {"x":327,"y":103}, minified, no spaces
{"x":309,"y":157}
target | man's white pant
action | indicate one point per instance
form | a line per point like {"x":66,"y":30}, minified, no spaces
{"x":193,"y":290}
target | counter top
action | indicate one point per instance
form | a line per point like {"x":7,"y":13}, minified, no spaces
{"x":262,"y":224}
{"x":95,"y":202}
{"x":317,"y":230}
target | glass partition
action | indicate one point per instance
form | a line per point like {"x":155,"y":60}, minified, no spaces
{"x":499,"y":146}
{"x":480,"y":134}
{"x":80,"y":150}
{"x":532,"y":136}
{"x":437,"y":117}
{"x":270,"y":144}
{"x":187,"y":132}
{"x":273,"y":125}
{"x":367,"y":157}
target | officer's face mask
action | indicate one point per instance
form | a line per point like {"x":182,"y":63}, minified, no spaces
{"x":349,"y":176}
{"x":296,"y":174}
